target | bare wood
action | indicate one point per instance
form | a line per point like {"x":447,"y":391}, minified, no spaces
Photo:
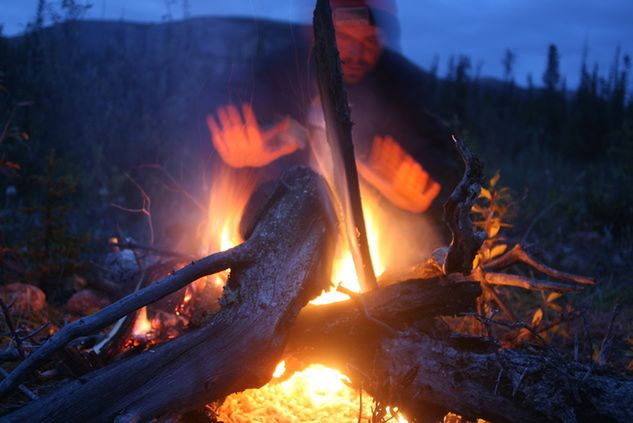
{"x":288,"y":258}
{"x":339,"y":134}
{"x":466,"y":241}
{"x":518,"y":255}
{"x":528,"y":283}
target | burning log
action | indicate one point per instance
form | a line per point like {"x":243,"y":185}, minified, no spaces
{"x":283,"y":264}
{"x":428,"y":375}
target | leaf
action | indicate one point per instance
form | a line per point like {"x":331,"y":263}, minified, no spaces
{"x":553,"y":296}
{"x":493,"y":229}
{"x":538,"y":316}
{"x":484,"y":193}
{"x":476,"y":261}
{"x":497,"y":250}
{"x":495,"y":179}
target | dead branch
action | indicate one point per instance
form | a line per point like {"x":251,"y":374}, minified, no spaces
{"x":159,"y":251}
{"x":339,"y":134}
{"x":606,"y":342}
{"x":528,"y":283}
{"x":466,"y":241}
{"x":518,"y":255}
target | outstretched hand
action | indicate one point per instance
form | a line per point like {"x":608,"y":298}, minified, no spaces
{"x":397,"y":176}
{"x":241,"y":142}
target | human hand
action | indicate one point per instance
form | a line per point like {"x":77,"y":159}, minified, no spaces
{"x":241,"y":142}
{"x":398,"y":176}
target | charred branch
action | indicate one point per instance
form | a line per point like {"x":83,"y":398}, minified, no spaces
{"x":339,"y":131}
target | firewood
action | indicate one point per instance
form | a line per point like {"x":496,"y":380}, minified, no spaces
{"x":339,"y":134}
{"x":429,"y":375}
{"x":283,"y":265}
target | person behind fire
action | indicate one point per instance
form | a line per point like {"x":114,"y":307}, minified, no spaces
{"x":403,"y":151}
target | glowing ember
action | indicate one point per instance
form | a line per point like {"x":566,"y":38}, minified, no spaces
{"x":142,"y":325}
{"x":280,"y":369}
{"x":315,"y":394}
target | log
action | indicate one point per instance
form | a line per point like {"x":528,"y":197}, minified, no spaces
{"x":428,"y":374}
{"x":499,"y":385}
{"x":288,"y":264}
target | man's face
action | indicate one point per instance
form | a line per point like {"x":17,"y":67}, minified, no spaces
{"x":359,"y":48}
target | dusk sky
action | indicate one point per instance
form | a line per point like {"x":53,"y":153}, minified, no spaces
{"x":481,"y":29}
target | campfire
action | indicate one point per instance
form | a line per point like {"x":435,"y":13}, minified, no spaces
{"x":283,"y":319}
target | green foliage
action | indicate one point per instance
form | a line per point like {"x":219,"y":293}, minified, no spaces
{"x":53,"y":248}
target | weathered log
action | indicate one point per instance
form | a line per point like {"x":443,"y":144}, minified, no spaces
{"x":287,"y":265}
{"x":331,"y":330}
{"x":501,"y":385}
{"x":339,"y":134}
{"x":429,"y":375}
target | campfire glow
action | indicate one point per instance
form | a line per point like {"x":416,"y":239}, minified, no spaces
{"x":317,"y":393}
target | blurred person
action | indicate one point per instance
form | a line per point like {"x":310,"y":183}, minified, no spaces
{"x":402,"y":151}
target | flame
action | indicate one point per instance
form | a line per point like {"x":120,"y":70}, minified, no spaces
{"x":317,"y":393}
{"x":142,"y":325}
{"x":343,"y":269}
{"x":228,"y":194}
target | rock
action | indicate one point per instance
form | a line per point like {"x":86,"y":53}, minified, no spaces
{"x":121,"y":265}
{"x":86,"y":301}
{"x":25,"y":298}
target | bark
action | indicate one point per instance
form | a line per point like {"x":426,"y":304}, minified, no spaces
{"x":466,"y":241}
{"x":428,"y":374}
{"x":287,"y":265}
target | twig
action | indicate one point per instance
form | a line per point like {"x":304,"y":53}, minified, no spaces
{"x":528,"y":283}
{"x":176,"y":185}
{"x":26,"y":391}
{"x":516,"y":387}
{"x":144,"y":209}
{"x":606,"y":342}
{"x":498,"y":381}
{"x":339,"y":134}
{"x":36,"y":331}
{"x":491,"y":290}
{"x":518,"y":255}
{"x":110,"y":314}
{"x":14,"y":335}
{"x":168,"y":253}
